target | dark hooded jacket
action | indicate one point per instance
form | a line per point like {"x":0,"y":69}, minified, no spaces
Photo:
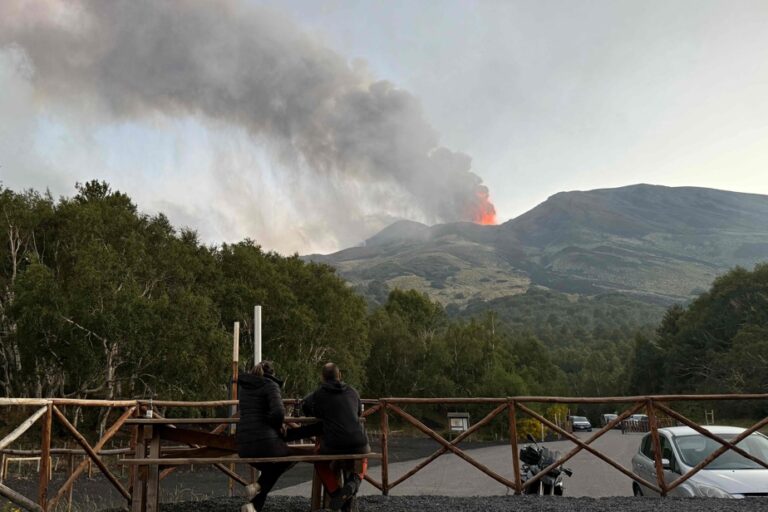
{"x":261,"y":415}
{"x":338,"y":406}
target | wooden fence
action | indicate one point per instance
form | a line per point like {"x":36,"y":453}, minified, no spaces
{"x":48,"y":410}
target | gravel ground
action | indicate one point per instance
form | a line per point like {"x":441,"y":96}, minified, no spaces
{"x":185,"y":485}
{"x":491,"y":504}
{"x":188,"y":491}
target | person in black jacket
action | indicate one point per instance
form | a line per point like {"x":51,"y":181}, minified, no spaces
{"x":338,"y":406}
{"x":259,"y":431}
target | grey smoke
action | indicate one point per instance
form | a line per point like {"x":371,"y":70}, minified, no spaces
{"x":247,"y":67}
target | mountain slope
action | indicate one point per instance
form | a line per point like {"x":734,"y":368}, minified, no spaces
{"x":653,"y":242}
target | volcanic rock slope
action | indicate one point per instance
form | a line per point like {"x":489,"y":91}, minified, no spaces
{"x":658,"y":243}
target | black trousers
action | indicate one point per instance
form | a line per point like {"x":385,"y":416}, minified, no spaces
{"x":270,"y":472}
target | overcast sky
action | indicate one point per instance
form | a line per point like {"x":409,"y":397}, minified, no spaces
{"x":544,"y":96}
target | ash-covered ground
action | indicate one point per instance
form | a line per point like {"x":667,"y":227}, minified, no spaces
{"x":491,"y":504}
{"x":594,"y":486}
{"x":185,"y":485}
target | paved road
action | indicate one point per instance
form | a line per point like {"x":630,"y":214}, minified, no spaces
{"x":451,"y":476}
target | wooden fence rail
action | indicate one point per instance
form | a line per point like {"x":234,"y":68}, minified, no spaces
{"x":132,"y":417}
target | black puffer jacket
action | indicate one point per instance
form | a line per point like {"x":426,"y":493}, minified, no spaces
{"x":339,"y":406}
{"x":261,"y":410}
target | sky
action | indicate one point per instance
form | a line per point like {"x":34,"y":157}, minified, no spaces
{"x":544,"y":96}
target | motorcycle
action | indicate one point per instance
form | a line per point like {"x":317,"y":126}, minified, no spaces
{"x":535,"y":458}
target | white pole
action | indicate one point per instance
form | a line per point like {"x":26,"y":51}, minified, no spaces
{"x":236,"y":343}
{"x":256,"y":335}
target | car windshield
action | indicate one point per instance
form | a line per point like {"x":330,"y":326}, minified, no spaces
{"x":695,"y":448}
{"x":579,"y":418}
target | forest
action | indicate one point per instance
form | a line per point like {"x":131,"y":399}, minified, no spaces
{"x":98,"y":300}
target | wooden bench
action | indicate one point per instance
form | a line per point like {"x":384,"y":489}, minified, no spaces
{"x":206,"y":448}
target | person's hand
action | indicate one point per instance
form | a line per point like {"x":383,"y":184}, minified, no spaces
{"x":292,"y":425}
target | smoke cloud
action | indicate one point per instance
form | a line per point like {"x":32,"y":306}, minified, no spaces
{"x":351,"y":150}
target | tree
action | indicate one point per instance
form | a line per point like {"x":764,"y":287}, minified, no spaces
{"x":714,"y":343}
{"x":403,"y":334}
{"x":646,"y":367}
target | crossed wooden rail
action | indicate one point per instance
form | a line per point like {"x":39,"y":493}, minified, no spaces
{"x":48,"y":409}
{"x":515,"y":405}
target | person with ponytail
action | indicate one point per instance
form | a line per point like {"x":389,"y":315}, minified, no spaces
{"x":262,"y":415}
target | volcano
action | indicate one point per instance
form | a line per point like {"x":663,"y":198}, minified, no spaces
{"x":655,"y":243}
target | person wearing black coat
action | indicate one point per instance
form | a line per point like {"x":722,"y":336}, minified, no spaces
{"x":258,"y":433}
{"x":338,"y":406}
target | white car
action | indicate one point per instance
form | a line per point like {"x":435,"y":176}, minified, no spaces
{"x":636,"y":423}
{"x":728,"y":476}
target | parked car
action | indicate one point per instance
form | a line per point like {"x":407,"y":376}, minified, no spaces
{"x":636,"y":423}
{"x":729,"y":476}
{"x":580,"y":423}
{"x":607,"y":418}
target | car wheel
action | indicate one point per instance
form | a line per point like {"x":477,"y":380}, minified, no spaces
{"x":637,"y":491}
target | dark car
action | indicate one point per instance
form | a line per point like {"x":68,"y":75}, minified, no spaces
{"x":580,"y":423}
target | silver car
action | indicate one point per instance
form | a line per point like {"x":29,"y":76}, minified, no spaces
{"x":580,"y":423}
{"x":728,"y":476}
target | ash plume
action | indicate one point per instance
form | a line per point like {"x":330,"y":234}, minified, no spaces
{"x":237,"y":65}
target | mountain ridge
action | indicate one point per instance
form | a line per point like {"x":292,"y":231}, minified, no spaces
{"x":648,"y":241}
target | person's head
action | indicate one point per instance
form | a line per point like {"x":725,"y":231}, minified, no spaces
{"x":331,"y":372}
{"x":269,"y":368}
{"x":264,"y":368}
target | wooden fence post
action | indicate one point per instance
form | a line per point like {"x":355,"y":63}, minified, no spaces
{"x":233,"y":410}
{"x":153,"y":470}
{"x":657,"y":455}
{"x":512,"y":412}
{"x":139,"y":477}
{"x":384,"y":448}
{"x":45,"y":458}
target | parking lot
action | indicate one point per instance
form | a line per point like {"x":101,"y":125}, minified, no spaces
{"x":451,"y":476}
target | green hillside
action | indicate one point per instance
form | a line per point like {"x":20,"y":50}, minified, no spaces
{"x":657,"y":244}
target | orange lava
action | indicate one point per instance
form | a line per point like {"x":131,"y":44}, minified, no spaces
{"x":484,"y":211}
{"x":487,"y":219}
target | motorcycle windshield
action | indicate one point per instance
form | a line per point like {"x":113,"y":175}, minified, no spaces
{"x":549,"y":456}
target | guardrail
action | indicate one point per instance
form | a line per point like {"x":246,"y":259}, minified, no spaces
{"x":514,"y":407}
